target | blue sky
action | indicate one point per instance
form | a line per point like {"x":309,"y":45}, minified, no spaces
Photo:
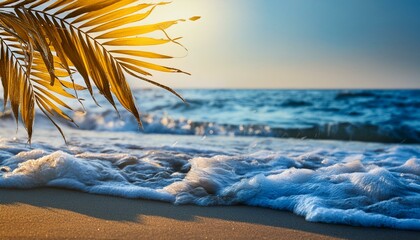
{"x":297,"y":43}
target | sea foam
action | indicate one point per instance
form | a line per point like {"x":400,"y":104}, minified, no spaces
{"x":322,"y":181}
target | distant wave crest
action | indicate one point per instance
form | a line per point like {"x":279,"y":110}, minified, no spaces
{"x":109,"y":121}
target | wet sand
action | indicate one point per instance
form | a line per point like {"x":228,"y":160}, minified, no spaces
{"x":63,"y":214}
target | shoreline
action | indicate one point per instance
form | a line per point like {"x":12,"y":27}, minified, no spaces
{"x":50,"y":213}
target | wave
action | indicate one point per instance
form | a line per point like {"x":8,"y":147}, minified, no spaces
{"x":372,"y":187}
{"x":155,"y":124}
{"x":295,"y":103}
{"x":343,"y":95}
{"x":353,"y":115}
{"x":108,"y":121}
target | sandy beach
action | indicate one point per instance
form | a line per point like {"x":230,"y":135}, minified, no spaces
{"x":64,"y":214}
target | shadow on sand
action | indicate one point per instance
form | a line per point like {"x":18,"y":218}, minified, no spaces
{"x":132,"y":210}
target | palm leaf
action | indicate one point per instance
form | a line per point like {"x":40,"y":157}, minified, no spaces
{"x":43,"y":43}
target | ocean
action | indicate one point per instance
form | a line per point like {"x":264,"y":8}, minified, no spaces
{"x":334,"y":156}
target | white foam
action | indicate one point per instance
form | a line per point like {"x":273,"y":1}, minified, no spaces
{"x":60,"y":169}
{"x":347,"y":193}
{"x":377,"y":185}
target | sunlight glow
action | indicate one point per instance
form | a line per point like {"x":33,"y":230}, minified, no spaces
{"x":295,"y":44}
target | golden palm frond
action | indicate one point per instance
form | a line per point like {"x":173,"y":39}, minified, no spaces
{"x":43,"y":43}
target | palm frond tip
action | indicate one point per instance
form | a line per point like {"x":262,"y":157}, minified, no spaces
{"x":43,"y":43}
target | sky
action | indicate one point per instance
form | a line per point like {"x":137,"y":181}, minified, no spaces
{"x":294,"y":44}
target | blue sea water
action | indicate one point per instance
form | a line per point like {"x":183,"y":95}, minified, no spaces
{"x":349,"y":157}
{"x":372,"y":116}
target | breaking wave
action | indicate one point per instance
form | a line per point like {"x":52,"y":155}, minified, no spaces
{"x":152,"y":124}
{"x":375,"y":187}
